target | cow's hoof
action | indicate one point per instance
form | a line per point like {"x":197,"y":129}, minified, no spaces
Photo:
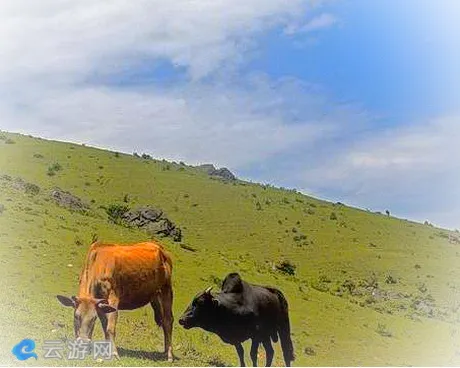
{"x":116,"y":356}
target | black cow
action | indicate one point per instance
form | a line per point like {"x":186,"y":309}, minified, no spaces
{"x":243,"y":311}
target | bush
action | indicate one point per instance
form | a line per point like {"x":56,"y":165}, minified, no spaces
{"x":145,"y":156}
{"x":56,"y":166}
{"x":52,"y":169}
{"x":333,"y":216}
{"x":116,"y":212}
{"x":390,"y":280}
{"x":30,"y":188}
{"x":383,"y":330}
{"x":286,"y":267}
{"x":9,"y":141}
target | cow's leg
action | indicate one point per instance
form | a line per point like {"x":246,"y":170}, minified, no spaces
{"x":268,"y":351}
{"x":240,"y":351}
{"x":110,"y":331}
{"x":103,"y":318}
{"x":254,"y":348}
{"x":166,"y":301}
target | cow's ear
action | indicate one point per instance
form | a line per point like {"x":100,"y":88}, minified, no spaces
{"x":106,"y":308}
{"x":67,"y":302}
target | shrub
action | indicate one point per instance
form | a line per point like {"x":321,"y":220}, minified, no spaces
{"x":145,"y":156}
{"x":383,"y":330}
{"x":349,"y":285}
{"x":116,"y":211}
{"x":52,"y":169}
{"x":38,"y":155}
{"x":258,"y":206}
{"x":30,"y":188}
{"x":299,"y":237}
{"x":333,"y":216}
{"x":9,"y":141}
{"x":116,"y":154}
{"x":286,"y":267}
{"x":56,"y":166}
{"x":390,"y":280}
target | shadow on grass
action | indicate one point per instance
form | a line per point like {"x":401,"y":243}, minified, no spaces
{"x":142,"y":354}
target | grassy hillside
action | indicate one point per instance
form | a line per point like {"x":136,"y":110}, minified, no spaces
{"x":368,"y":289}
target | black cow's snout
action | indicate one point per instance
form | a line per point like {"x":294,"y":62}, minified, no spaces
{"x":181,"y":322}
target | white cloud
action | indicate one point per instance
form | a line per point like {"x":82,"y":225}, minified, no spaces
{"x":322,"y":21}
{"x":235,"y":127}
{"x":51,"y":37}
{"x":51,"y":50}
{"x":412,"y":169}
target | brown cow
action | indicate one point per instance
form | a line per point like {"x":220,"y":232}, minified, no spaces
{"x":123,"y":277}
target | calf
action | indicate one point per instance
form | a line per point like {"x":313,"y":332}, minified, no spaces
{"x":122,"y":277}
{"x":243,"y":311}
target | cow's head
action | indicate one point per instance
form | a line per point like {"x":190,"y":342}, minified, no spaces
{"x":200,"y":310}
{"x":86,"y":311}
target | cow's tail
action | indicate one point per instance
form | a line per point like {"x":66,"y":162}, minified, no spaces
{"x":166,"y":262}
{"x":284,"y":328}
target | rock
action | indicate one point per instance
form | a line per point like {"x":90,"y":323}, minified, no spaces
{"x":208,"y":168}
{"x":29,"y":188}
{"x":68,"y":200}
{"x":154,"y":221}
{"x":424,"y":307}
{"x":57,"y":324}
{"x":223,"y":173}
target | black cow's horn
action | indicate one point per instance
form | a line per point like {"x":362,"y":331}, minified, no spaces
{"x":208,"y":290}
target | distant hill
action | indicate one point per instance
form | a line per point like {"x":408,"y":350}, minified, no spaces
{"x":364,"y":289}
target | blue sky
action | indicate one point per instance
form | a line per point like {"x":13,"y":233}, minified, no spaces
{"x":352,"y":101}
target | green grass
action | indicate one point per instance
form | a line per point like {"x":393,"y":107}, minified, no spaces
{"x":241,"y":227}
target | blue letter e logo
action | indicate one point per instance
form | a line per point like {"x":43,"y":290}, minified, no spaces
{"x":25,"y":349}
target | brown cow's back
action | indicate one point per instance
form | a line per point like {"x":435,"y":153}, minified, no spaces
{"x":129,"y":274}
